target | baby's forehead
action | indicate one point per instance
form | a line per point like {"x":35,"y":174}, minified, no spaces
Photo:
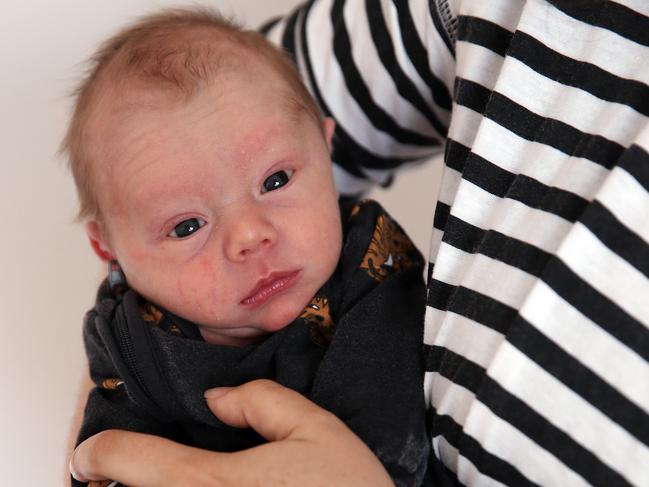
{"x":119,"y":99}
{"x":170,"y":69}
{"x":124,"y":130}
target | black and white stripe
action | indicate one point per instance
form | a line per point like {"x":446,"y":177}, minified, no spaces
{"x":537,"y":326}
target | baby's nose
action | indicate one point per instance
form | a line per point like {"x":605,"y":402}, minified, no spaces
{"x":248,"y":233}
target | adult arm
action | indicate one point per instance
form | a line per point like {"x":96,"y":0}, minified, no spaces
{"x":308,"y":444}
{"x":384,"y":71}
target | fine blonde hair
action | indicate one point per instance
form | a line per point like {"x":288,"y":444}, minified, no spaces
{"x":176,"y":51}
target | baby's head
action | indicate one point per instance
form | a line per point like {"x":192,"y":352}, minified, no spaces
{"x":203,"y":168}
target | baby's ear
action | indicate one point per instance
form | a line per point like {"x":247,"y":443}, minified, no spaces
{"x":328,"y":127}
{"x":97,"y":241}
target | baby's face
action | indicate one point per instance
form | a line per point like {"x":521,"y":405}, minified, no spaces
{"x":223,"y":209}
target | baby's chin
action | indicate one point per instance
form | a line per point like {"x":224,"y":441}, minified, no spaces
{"x":275,"y":319}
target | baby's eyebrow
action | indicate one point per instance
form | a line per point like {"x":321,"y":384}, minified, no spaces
{"x":155,"y":194}
{"x":157,"y":206}
{"x":172,"y":197}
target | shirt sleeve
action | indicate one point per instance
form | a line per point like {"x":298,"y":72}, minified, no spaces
{"x":384,"y":71}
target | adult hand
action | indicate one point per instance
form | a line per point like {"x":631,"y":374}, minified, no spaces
{"x":308,"y":446}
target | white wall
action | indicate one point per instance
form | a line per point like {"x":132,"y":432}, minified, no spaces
{"x":48,"y":274}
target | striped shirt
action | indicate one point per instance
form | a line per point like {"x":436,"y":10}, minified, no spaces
{"x":537,"y":326}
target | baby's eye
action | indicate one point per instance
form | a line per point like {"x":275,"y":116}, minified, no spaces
{"x":276,"y":180}
{"x":186,"y":227}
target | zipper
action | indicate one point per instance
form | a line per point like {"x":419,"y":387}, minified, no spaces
{"x":128,"y":354}
{"x":127,"y":351}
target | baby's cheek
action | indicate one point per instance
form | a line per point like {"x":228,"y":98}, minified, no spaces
{"x":206,"y":266}
{"x":196,"y":283}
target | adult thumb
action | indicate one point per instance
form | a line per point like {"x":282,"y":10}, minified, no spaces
{"x":272,"y":410}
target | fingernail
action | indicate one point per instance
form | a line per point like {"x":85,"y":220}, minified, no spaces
{"x":72,"y":472}
{"x":216,"y":392}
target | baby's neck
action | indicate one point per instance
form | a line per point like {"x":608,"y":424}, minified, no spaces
{"x":212,"y":335}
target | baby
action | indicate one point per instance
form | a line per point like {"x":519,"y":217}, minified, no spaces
{"x":204,"y":177}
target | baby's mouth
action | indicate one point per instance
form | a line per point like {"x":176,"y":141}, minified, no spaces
{"x":275,"y":283}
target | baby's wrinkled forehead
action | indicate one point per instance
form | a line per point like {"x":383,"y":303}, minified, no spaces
{"x":157,"y":129}
{"x":121,"y":103}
